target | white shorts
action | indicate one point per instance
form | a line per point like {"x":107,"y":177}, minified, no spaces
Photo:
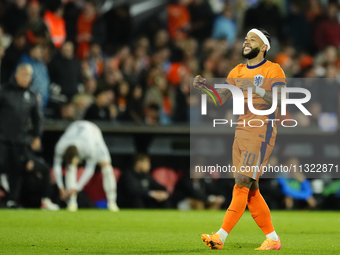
{"x":102,"y":152}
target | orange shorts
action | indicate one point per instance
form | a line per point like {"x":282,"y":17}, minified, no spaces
{"x":249,"y":156}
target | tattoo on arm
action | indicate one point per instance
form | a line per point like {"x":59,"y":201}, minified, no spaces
{"x":268,"y":96}
{"x":224,"y":94}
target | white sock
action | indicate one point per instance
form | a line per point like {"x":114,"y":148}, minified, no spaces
{"x":273,"y":236}
{"x":109,"y":184}
{"x":223,"y":234}
{"x":71,"y":182}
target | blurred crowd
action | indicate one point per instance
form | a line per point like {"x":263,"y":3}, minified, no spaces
{"x":90,"y":64}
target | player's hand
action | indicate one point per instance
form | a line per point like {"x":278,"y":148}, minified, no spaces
{"x":198,"y":82}
{"x":63,"y":194}
{"x":72,"y":192}
{"x":245,"y":84}
{"x":36,"y":144}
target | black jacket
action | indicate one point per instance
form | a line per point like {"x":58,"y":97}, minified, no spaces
{"x":66,"y":73}
{"x":133,"y":189}
{"x":18,"y":108}
{"x":96,"y":113}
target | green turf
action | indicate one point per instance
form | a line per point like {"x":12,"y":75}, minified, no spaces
{"x":159,"y":232}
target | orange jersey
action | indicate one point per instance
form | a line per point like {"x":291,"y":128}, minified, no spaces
{"x":265,"y":75}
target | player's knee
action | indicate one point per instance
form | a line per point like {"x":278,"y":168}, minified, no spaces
{"x":243,"y":180}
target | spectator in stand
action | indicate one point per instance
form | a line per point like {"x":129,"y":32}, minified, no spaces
{"x":179,"y":19}
{"x":110,"y":79}
{"x":161,"y":40}
{"x":118,"y":26}
{"x":224,"y":26}
{"x":201,"y":19}
{"x":12,"y":56}
{"x":131,"y":70}
{"x":152,"y":114}
{"x":67,"y":112}
{"x":81,"y":103}
{"x":138,"y":189}
{"x":90,"y":86}
{"x":84,"y":28}
{"x":71,"y":13}
{"x":55,"y":23}
{"x":122,"y":99}
{"x":327,"y":31}
{"x":40,"y":82}
{"x":15,"y":16}
{"x":265,"y":15}
{"x":314,"y":11}
{"x":36,"y":29}
{"x":96,"y":60}
{"x":135,"y":105}
{"x":141,"y":53}
{"x":101,"y":109}
{"x":298,"y":28}
{"x":65,"y":71}
{"x":163,"y":96}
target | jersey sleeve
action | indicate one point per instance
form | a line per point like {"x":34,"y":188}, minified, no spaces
{"x":231,"y":77}
{"x":277,"y":77}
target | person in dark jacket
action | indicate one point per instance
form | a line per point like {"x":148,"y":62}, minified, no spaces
{"x":137,"y":188}
{"x":197,"y":193}
{"x":12,"y":56}
{"x":18,"y":108}
{"x":37,"y":188}
{"x":100,"y":109}
{"x":65,"y":71}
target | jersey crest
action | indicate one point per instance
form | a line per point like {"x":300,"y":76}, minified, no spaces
{"x":258,"y":80}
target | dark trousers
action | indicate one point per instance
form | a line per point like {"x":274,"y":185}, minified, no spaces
{"x":36,"y":182}
{"x":12,"y":162}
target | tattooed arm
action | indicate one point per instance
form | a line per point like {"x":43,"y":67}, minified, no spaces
{"x":268,"y":95}
{"x":224,"y":94}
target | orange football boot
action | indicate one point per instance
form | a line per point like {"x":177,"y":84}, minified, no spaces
{"x":213,"y":241}
{"x":269,"y":244}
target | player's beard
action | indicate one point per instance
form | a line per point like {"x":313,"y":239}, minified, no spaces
{"x":252,"y":54}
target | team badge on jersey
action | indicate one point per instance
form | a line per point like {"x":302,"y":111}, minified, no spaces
{"x":258,"y":80}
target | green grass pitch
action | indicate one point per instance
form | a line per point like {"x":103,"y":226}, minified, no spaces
{"x":159,"y":232}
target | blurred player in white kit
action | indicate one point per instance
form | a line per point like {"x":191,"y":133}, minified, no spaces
{"x":83,"y":140}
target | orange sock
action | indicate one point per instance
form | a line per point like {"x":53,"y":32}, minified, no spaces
{"x":236,"y":208}
{"x":260,"y":212}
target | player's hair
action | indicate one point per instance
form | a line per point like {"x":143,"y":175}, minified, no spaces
{"x":266,"y":33}
{"x":139,"y":157}
{"x":70,"y":153}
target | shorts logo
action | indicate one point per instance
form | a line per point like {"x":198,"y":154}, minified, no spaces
{"x":258,"y":80}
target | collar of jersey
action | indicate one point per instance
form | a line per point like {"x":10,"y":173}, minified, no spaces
{"x":253,"y":67}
